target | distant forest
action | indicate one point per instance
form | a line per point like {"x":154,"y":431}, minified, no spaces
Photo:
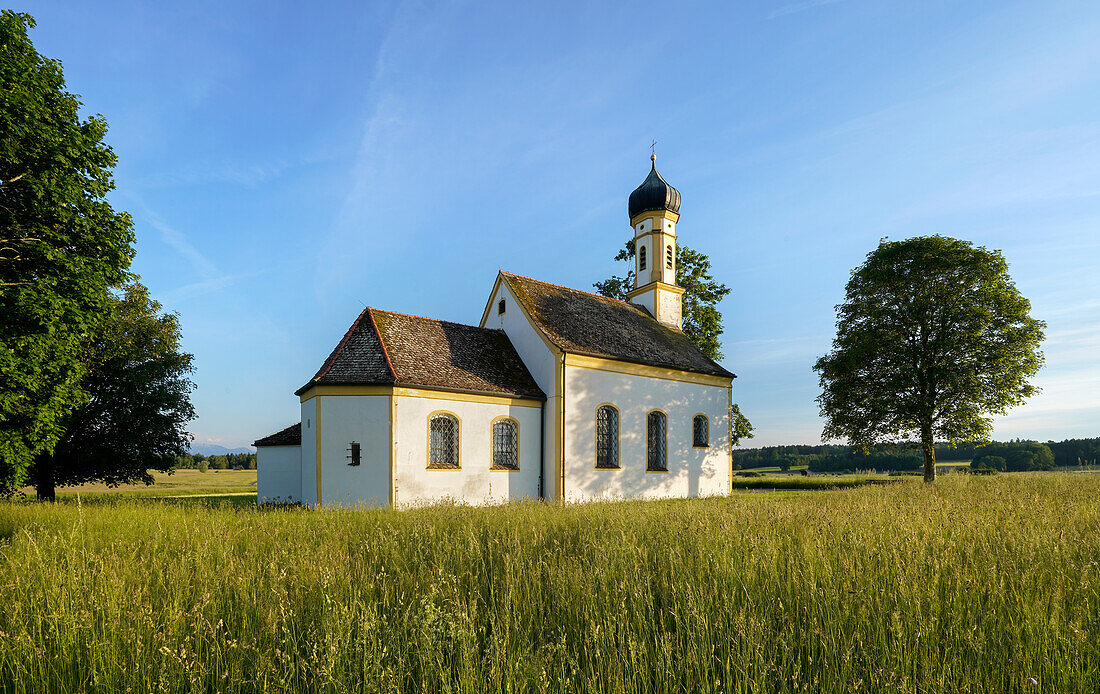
{"x":229,"y":461}
{"x":1005,"y":456}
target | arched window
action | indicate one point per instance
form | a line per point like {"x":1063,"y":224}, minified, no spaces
{"x":607,"y":437}
{"x":700,"y":431}
{"x":443,"y":442}
{"x":668,"y":257}
{"x":505,"y":444}
{"x":641,"y":258}
{"x":657,"y":442}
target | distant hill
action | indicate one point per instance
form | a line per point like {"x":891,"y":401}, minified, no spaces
{"x":216,"y":449}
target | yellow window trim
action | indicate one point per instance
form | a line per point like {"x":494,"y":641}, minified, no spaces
{"x":630,"y":369}
{"x":596,"y":436}
{"x":492,"y":442}
{"x":704,"y":416}
{"x":656,"y":409}
{"x":428,"y":440}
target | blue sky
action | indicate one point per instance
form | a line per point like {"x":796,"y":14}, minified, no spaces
{"x":288,"y":163}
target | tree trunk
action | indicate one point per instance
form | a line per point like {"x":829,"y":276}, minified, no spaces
{"x":44,"y":480}
{"x":928,"y":446}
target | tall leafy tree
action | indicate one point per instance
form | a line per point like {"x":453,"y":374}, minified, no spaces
{"x":62,"y":246}
{"x":702,"y":321}
{"x":932,"y":338}
{"x":138,"y":406}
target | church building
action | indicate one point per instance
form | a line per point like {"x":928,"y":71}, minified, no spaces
{"x":557,"y":394}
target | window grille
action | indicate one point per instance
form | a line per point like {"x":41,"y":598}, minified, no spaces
{"x":656,"y":438}
{"x":668,"y":257}
{"x":443,"y":441}
{"x":641,"y":258}
{"x":607,"y":437}
{"x":505,"y":445}
{"x":700,"y":431}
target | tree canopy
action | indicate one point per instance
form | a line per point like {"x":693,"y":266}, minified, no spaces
{"x":62,"y":246}
{"x":138,"y":406}
{"x":932,"y":338}
{"x":702,"y":321}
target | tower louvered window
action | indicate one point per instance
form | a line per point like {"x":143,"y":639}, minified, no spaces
{"x":443,"y":442}
{"x":657,"y":441}
{"x":700,"y":431}
{"x":668,"y":257}
{"x":505,"y":445}
{"x":641,"y":258}
{"x":607,"y":437}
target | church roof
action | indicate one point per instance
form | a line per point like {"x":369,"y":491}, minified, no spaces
{"x":291,"y":436}
{"x":654,"y":194}
{"x":384,"y":348}
{"x":583,"y":323}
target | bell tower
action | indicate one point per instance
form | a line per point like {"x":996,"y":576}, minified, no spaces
{"x":654,"y":209}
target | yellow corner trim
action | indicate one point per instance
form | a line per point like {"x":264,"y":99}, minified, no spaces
{"x":630,"y":369}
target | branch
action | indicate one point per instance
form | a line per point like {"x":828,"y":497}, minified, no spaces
{"x":13,"y":180}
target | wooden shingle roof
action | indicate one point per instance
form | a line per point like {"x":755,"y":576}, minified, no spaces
{"x":384,"y":348}
{"x":291,"y":436}
{"x":583,"y":323}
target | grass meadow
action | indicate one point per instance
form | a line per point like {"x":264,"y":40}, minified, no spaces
{"x":974,"y":585}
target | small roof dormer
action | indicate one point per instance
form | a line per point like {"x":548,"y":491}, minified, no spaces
{"x":654,"y":194}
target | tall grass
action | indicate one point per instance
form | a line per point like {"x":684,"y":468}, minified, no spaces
{"x":973,"y":585}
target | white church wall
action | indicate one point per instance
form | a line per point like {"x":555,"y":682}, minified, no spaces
{"x":364,"y":419}
{"x":309,"y":452}
{"x":475,"y":482}
{"x":540,"y":361}
{"x":278,"y":474}
{"x":691,"y":471}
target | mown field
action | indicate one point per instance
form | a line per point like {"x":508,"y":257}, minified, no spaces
{"x":175,"y":483}
{"x":974,"y":585}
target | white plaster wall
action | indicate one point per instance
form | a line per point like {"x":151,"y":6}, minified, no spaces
{"x":691,"y":471}
{"x":278,"y":474}
{"x":474,"y":483}
{"x":309,"y":452}
{"x":347,"y":418}
{"x":540,"y":361}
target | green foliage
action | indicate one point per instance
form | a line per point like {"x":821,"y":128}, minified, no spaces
{"x":1076,"y":452}
{"x":884,"y":461}
{"x":62,"y":247}
{"x":740,"y":426}
{"x":973,"y":585}
{"x":1013,"y":457}
{"x":797,"y":482}
{"x":932,"y":338}
{"x":139,"y":404}
{"x":702,"y":321}
{"x":229,"y":461}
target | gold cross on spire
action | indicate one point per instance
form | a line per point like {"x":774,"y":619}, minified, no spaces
{"x":653,"y":151}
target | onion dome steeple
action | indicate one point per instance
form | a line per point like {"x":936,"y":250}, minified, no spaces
{"x":654,"y":194}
